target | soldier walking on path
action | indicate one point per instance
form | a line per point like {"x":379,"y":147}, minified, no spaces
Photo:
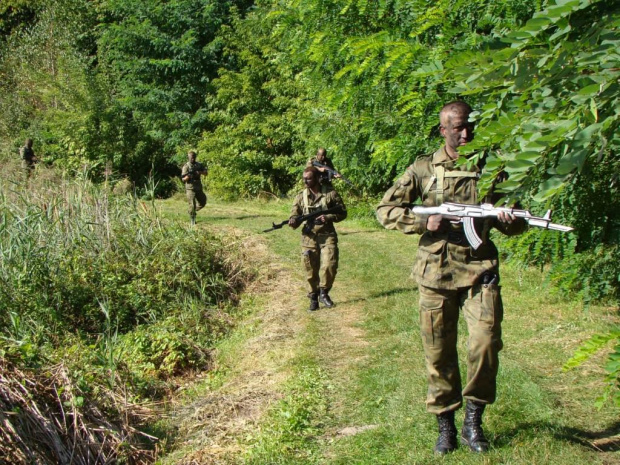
{"x":319,"y":241}
{"x":29,"y":159}
{"x":451,"y":278}
{"x":190,"y":175}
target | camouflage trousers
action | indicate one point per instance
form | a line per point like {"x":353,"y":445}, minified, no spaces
{"x":319,"y":256}
{"x":439,"y":314}
{"x":196,"y":200}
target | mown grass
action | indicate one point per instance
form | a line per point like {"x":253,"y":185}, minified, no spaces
{"x":542,"y":415}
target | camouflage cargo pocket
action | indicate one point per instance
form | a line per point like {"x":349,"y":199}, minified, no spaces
{"x":491,"y":306}
{"x":431,"y":320}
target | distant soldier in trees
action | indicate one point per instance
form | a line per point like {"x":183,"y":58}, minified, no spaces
{"x":29,"y":159}
{"x":319,"y":241}
{"x":452,"y":277}
{"x":190,"y":175}
{"x":324,"y":174}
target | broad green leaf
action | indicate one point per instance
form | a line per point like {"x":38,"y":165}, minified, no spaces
{"x":519,"y":165}
{"x":571,"y":161}
{"x":594,"y":109}
{"x":549,"y":188}
{"x":585,"y":136}
{"x":531,"y":156}
{"x":590,"y":90}
{"x":536,"y":24}
{"x":508,"y":186}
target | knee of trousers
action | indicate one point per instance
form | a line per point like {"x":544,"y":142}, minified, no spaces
{"x":484,"y":313}
{"x":310,"y":259}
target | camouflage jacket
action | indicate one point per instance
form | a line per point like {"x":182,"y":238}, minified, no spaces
{"x":326,"y":198}
{"x":444,"y":259}
{"x":195,"y":182}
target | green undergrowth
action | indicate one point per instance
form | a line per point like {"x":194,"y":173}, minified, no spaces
{"x":99,"y":283}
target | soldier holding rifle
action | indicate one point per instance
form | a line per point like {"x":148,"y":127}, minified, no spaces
{"x":453,"y":277}
{"x":190,"y":175}
{"x":319,"y":241}
{"x":324,"y":171}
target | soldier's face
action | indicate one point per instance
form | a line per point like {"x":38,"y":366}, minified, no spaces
{"x":459,"y":131}
{"x":191,"y":157}
{"x":309,"y":180}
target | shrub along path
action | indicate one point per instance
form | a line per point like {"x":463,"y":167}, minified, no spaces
{"x":347,"y":385}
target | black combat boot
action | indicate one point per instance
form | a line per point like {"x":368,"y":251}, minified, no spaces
{"x":472,"y":434}
{"x":446,"y":442}
{"x":324,"y":298}
{"x":314,"y":301}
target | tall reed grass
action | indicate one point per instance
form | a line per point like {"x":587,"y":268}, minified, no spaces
{"x":98,"y":288}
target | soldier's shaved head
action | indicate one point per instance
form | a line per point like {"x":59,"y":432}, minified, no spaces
{"x":451,"y":109}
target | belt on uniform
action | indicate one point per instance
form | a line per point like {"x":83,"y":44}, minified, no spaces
{"x":453,"y":237}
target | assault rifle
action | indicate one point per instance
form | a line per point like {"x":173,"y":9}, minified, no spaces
{"x":466,"y":214}
{"x":332,"y":173}
{"x":309,"y":218}
{"x":194,"y":174}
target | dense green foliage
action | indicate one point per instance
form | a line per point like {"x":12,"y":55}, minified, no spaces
{"x":101,"y":286}
{"x":115,"y":85}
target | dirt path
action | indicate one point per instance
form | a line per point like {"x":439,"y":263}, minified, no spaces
{"x":213,"y":425}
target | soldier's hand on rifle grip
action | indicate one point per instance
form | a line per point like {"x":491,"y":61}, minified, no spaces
{"x":320,"y":219}
{"x":505,"y":217}
{"x":435,"y":223}
{"x":292,"y":222}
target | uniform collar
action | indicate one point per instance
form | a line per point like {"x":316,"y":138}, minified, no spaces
{"x":441,"y":157}
{"x":318,"y":195}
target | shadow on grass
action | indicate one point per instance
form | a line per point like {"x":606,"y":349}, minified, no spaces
{"x":369,"y":231}
{"x":239,"y":218}
{"x":607,"y":440}
{"x":376,"y":295}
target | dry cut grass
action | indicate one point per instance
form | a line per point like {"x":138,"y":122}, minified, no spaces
{"x":41,"y":421}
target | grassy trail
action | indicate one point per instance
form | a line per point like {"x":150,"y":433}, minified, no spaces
{"x":347,"y":385}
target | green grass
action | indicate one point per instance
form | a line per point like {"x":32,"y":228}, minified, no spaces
{"x":361,"y":364}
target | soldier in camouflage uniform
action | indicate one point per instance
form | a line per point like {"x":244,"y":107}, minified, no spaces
{"x":321,"y":157}
{"x":319,"y":241}
{"x":190,"y":175}
{"x":29,"y":159}
{"x":452,"y":277}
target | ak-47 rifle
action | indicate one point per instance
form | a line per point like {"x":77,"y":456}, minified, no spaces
{"x":309,"y":218}
{"x":195,"y":173}
{"x":463,"y":213}
{"x":332,"y":173}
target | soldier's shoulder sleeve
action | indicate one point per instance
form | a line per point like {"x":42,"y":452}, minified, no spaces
{"x":309,"y":164}
{"x":394,"y":210}
{"x":297,"y":208}
{"x":185,"y":169}
{"x":335,"y":200}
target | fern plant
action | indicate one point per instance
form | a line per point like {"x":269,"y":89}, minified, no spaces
{"x":612,"y":366}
